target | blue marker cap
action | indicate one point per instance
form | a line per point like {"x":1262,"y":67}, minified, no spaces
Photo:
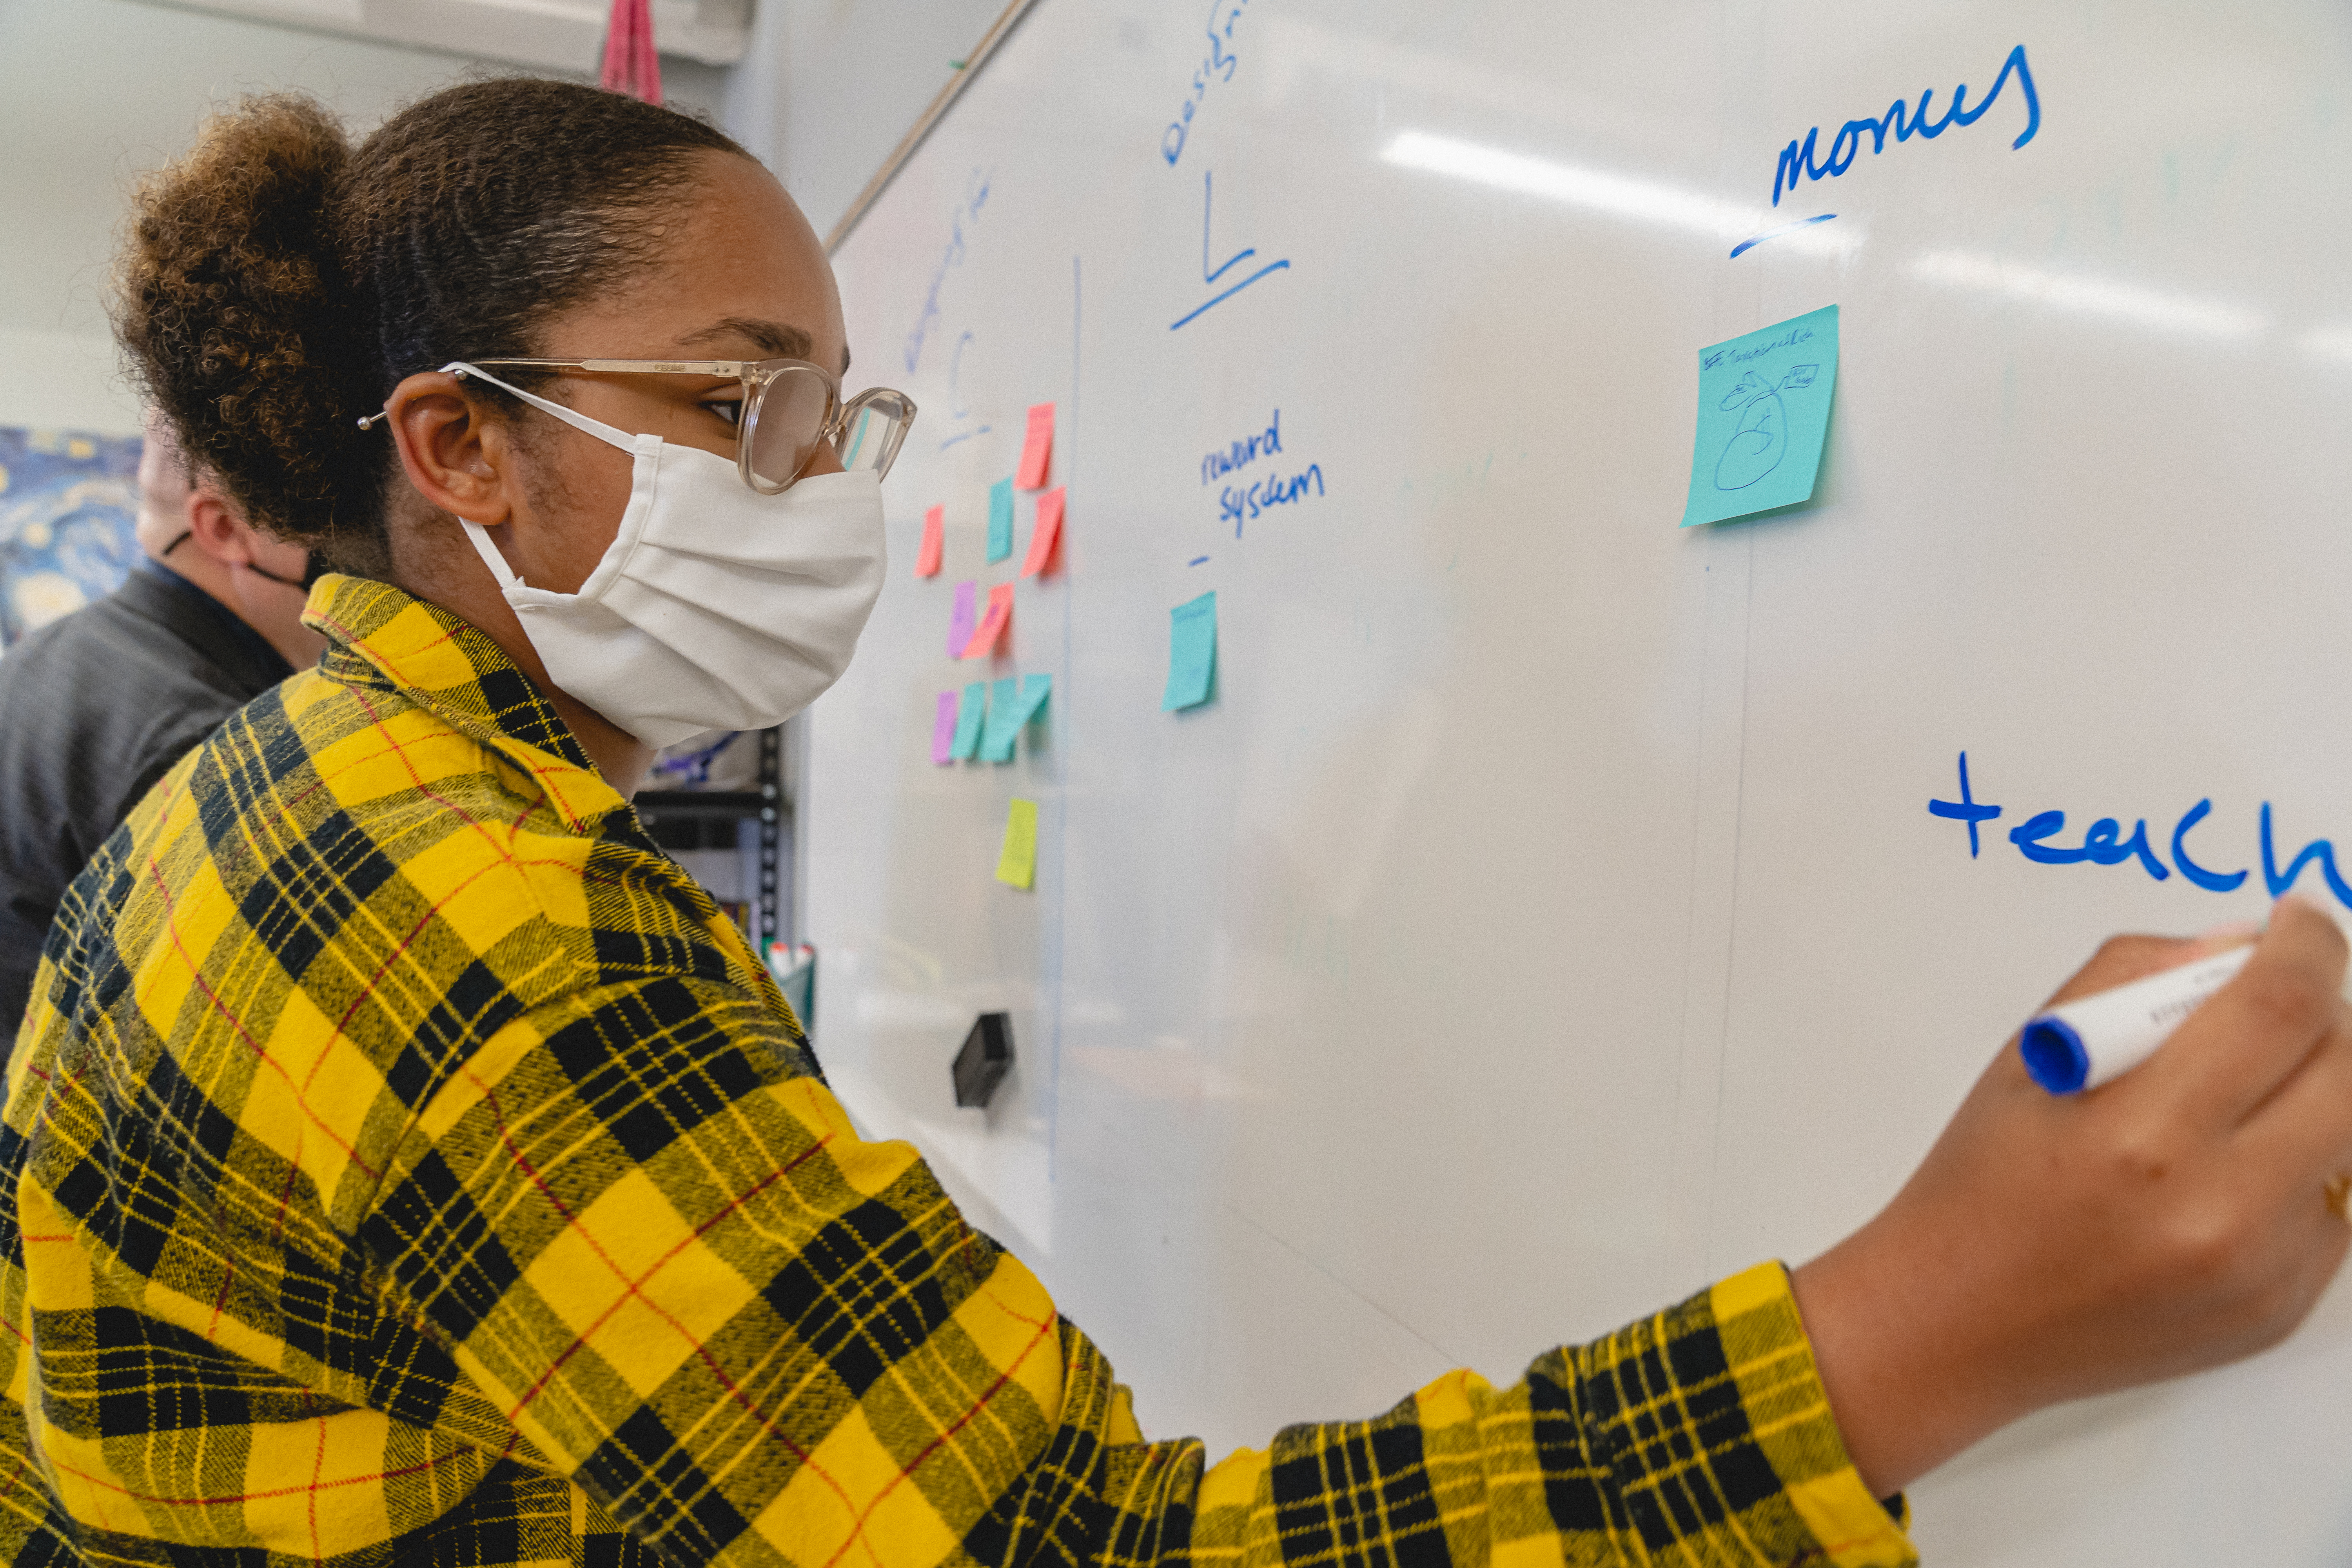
{"x":2054,"y":1054}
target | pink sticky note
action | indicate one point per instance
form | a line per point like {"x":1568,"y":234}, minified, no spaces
{"x":1048,"y":530}
{"x":1036,"y":449}
{"x":960,"y":623}
{"x":999,"y":612}
{"x":935,"y":542}
{"x":943,"y":729}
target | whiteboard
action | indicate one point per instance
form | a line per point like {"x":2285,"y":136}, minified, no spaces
{"x":1545,"y":916}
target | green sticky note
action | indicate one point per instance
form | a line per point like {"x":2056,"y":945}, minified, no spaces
{"x":969,"y":714}
{"x":999,"y":520}
{"x":1763,"y":414}
{"x":1191,"y":653}
{"x":1003,"y":721}
{"x":1016,"y":863}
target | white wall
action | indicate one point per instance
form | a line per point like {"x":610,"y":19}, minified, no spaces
{"x":102,"y":90}
{"x":828,"y":87}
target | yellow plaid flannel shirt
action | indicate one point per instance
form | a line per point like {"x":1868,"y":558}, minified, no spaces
{"x":409,"y":1164}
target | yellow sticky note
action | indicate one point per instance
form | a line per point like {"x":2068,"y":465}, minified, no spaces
{"x":1017,"y":865}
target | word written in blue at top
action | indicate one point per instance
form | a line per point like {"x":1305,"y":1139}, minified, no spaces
{"x":2042,"y":838}
{"x":967,"y":211}
{"x":1217,"y":66}
{"x":1797,"y":162}
{"x":1237,"y":503}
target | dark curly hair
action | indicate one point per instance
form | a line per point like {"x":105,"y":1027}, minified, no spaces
{"x":277,"y":282}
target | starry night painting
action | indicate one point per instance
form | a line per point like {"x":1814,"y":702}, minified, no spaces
{"x":68,"y":502}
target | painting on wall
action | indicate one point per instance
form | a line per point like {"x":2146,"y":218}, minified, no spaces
{"x":67,"y":503}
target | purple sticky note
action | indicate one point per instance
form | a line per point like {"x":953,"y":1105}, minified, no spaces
{"x":943,"y":729}
{"x":960,"y":628}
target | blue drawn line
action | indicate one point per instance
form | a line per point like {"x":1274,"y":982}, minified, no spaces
{"x":1196,"y":561}
{"x":1208,"y":200}
{"x":1796,"y":161}
{"x":1776,"y":233}
{"x":965,"y":437}
{"x":1228,"y":293}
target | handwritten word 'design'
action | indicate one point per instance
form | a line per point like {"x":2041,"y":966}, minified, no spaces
{"x":2105,"y":842}
{"x":1217,"y":66}
{"x":1797,"y":160}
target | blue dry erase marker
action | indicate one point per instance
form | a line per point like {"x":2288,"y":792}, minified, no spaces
{"x":2086,"y":1042}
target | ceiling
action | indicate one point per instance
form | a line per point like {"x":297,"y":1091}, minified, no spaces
{"x":561,"y":34}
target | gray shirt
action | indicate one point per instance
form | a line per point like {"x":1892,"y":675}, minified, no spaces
{"x":94,"y":708}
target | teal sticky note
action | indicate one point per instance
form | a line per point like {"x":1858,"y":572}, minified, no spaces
{"x":1763,"y":414}
{"x":1034,"y":689}
{"x":969,"y":714}
{"x":1191,"y":653}
{"x":999,"y":520}
{"x":1003,"y":721}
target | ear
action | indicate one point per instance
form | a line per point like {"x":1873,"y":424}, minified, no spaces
{"x":216,"y":530}
{"x":460,"y":458}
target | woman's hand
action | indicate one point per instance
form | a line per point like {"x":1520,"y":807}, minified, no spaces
{"x":2050,"y":1248}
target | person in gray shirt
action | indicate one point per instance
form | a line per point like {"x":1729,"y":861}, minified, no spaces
{"x":96,"y":707}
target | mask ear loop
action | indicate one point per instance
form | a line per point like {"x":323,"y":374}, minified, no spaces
{"x":500,"y":572}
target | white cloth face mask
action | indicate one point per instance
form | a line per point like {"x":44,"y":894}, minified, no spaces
{"x":715,"y":607}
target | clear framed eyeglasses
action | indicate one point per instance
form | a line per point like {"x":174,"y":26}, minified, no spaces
{"x":790,"y":408}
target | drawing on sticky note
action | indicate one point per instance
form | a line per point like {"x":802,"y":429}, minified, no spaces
{"x":959,"y":620}
{"x":992,"y":625}
{"x":1763,"y":418}
{"x":1756,"y":447}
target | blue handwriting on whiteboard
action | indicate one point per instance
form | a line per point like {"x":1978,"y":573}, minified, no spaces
{"x":1796,"y":159}
{"x":975,"y":199}
{"x":1209,"y":274}
{"x":1238,"y":503}
{"x":2041,"y":839}
{"x":1218,"y":67}
{"x":1244,"y":452}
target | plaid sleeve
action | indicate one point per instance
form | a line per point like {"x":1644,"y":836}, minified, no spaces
{"x":753,"y":1337}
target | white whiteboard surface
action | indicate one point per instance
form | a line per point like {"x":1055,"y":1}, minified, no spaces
{"x":1547,"y":917}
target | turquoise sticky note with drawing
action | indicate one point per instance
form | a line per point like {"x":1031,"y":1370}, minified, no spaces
{"x":1763,"y":414}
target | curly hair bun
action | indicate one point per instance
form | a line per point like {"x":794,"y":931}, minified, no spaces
{"x":237,"y":314}
{"x":278,"y":281}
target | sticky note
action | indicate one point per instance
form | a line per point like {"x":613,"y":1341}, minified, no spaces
{"x":935,"y":542}
{"x":999,"y":520}
{"x":1048,"y":530}
{"x":943,"y":729}
{"x":1763,"y":414}
{"x":1034,"y":689}
{"x":1191,"y":653}
{"x":1037,"y":447}
{"x":992,"y":627}
{"x":959,"y":622}
{"x":1003,"y":721}
{"x":967,"y":721}
{"x":1017,"y":864}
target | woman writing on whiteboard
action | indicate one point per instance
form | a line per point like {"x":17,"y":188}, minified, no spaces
{"x":406,"y":1163}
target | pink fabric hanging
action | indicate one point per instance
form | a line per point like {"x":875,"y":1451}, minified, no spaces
{"x":631,"y":66}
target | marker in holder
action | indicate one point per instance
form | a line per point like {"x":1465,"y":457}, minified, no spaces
{"x":2083,"y":1044}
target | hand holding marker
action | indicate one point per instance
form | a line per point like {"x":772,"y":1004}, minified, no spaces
{"x":2085,"y":1043}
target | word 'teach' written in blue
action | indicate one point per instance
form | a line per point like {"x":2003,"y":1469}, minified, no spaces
{"x":2042,"y":838}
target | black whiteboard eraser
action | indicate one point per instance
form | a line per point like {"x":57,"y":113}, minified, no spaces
{"x":986,"y":1057}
